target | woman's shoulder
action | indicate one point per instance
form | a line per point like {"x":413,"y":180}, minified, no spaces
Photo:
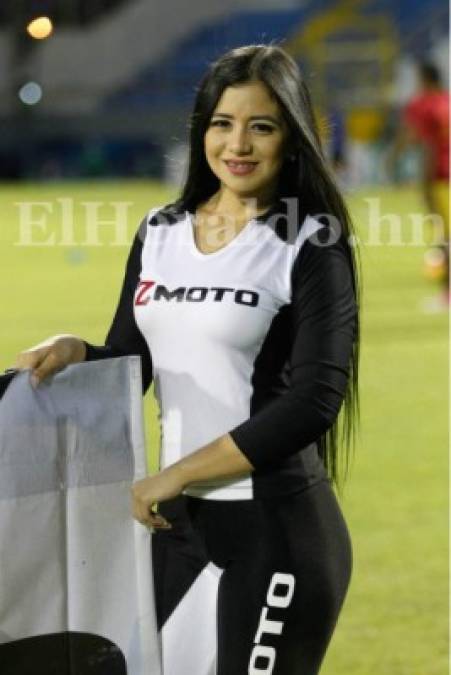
{"x":167,"y":214}
{"x":288,"y":220}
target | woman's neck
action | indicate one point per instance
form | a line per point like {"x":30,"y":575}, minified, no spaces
{"x":228,"y":203}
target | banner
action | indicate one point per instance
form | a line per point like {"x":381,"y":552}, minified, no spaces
{"x":76,"y":592}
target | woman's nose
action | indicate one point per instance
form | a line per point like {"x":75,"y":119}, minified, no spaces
{"x":239,"y":141}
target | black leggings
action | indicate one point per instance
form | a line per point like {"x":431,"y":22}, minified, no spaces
{"x":287,"y":564}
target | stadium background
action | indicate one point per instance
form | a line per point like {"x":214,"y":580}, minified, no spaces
{"x":96,"y":113}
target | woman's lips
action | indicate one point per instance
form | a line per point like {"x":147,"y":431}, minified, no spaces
{"x":240,"y":168}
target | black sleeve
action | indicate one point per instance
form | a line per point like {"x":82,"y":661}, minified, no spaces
{"x":6,"y":379}
{"x":324,"y":324}
{"x":124,"y":337}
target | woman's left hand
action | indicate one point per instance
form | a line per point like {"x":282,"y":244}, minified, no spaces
{"x":147,"y":493}
{"x":221,"y":458}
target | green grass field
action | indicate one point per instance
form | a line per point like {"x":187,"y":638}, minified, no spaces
{"x":395,"y":620}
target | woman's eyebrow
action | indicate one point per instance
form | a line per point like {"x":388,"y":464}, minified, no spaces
{"x":269,"y":118}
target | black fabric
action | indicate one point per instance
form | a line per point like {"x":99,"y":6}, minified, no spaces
{"x":177,"y":560}
{"x":302,"y":535}
{"x":67,"y":653}
{"x":124,"y":337}
{"x":321,"y":331}
{"x":5,"y":381}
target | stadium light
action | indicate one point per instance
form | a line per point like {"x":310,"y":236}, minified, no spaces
{"x":30,"y":93}
{"x":40,"y":28}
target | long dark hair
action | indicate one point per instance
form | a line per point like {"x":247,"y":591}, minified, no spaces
{"x":305,"y":175}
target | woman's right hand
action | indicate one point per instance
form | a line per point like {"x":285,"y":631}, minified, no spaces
{"x":50,"y":356}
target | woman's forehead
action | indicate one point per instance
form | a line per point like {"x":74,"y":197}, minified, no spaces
{"x":251,"y":98}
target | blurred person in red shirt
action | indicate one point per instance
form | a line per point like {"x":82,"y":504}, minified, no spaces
{"x":425,"y":123}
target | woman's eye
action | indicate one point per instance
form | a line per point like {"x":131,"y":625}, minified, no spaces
{"x":262,"y":127}
{"x":219,"y":123}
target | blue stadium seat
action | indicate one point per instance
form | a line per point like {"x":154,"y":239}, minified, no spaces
{"x":171,"y":82}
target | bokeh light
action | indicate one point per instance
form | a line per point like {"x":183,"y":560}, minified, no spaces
{"x":40,"y":28}
{"x":30,"y":93}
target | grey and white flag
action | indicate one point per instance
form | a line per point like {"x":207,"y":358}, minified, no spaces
{"x":76,"y":594}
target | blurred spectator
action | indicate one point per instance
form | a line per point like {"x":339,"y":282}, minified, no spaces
{"x":338,"y":138}
{"x":425,"y":123}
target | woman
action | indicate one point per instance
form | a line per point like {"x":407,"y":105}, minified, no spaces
{"x":243,"y":307}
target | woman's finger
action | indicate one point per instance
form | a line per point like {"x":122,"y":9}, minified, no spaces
{"x":158,"y":522}
{"x":137,"y":512}
{"x":141,"y":512}
{"x":147,"y":517}
{"x":30,"y":359}
{"x":48,"y":366}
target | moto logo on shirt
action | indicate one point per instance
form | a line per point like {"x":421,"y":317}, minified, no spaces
{"x":149,"y":290}
{"x":263,"y":657}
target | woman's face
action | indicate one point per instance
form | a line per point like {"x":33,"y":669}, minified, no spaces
{"x":245,"y":143}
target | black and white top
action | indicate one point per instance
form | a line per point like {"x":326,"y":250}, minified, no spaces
{"x":254,"y":339}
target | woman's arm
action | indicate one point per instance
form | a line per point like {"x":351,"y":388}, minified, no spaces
{"x":324,"y":325}
{"x":219,"y":459}
{"x":124,"y":337}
